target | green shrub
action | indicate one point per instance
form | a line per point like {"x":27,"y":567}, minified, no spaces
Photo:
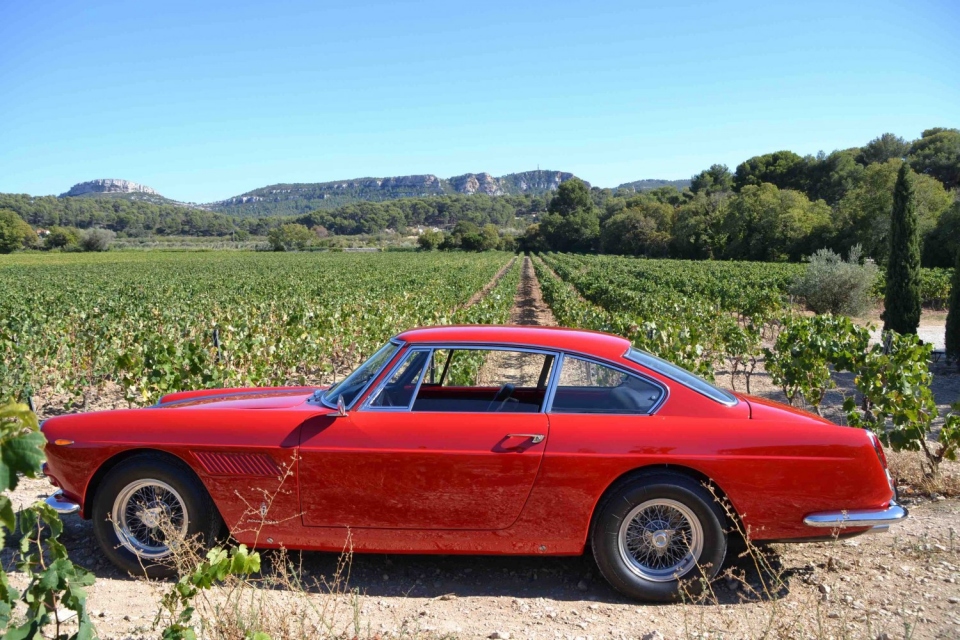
{"x":832,"y":285}
{"x":97,"y":239}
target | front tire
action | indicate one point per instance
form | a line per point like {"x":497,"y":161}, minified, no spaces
{"x":143,"y":505}
{"x":656,"y":536}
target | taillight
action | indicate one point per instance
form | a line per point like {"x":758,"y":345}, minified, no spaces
{"x":878,"y":448}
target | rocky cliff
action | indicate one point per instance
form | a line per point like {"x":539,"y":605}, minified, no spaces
{"x":297,"y":198}
{"x":107,"y":185}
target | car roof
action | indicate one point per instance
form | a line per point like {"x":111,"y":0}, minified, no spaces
{"x":595,"y":343}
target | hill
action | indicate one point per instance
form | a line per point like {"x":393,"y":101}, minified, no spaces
{"x":122,"y":190}
{"x":301,"y":198}
{"x":649,"y":185}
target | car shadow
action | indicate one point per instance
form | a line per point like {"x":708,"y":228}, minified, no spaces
{"x":566,"y":578}
{"x":560,"y":578}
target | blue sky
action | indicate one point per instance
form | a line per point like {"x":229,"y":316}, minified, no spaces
{"x":205,"y":100}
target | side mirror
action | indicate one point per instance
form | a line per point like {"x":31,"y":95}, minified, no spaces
{"x":341,"y":407}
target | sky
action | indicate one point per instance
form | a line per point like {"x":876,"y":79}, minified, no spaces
{"x":206,"y":100}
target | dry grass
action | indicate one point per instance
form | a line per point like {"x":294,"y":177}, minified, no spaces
{"x":757,"y":583}
{"x":907,"y":469}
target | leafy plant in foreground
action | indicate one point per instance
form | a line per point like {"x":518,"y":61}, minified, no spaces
{"x":177,"y":606}
{"x":54,"y":582}
{"x":897,"y":402}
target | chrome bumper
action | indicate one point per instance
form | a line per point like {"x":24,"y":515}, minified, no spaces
{"x":61,"y":504}
{"x":877,"y":519}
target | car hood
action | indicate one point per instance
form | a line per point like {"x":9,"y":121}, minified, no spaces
{"x":245,"y":398}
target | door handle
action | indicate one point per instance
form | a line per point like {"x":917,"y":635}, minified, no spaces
{"x":535,"y":438}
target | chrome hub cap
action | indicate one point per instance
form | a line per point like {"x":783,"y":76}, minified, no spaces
{"x":145,"y":514}
{"x":660,"y":540}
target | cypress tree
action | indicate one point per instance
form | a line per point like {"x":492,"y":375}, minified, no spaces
{"x":902,"y":302}
{"x":953,"y":316}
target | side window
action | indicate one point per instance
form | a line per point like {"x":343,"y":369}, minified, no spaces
{"x":589,"y":387}
{"x":399,"y":389}
{"x":484,"y":380}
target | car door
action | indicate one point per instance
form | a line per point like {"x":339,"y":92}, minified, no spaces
{"x":439,"y":444}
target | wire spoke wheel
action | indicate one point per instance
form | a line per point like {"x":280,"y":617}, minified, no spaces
{"x":661,"y":540}
{"x":148,"y":517}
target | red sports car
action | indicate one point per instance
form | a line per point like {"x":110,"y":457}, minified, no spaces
{"x":476,"y":440}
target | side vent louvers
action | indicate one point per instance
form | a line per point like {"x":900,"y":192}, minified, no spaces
{"x":237,"y":464}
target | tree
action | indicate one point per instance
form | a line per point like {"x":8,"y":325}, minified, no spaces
{"x":289,"y":237}
{"x":785,"y":169}
{"x":571,"y":222}
{"x":62,"y":238}
{"x":953,"y":315}
{"x":698,"y":229}
{"x":937,"y":154}
{"x":430,"y":240}
{"x":882,"y":148}
{"x":941,"y":245}
{"x":863,"y":214}
{"x":491,"y":237}
{"x":634,"y":233}
{"x":715,"y":179}
{"x":532,"y":240}
{"x":902,"y":302}
{"x":830,"y":177}
{"x":14,"y":232}
{"x":472,"y":241}
{"x":771,"y":224}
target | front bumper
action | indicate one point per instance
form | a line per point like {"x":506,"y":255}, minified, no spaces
{"x":62,"y":504}
{"x":876,"y":519}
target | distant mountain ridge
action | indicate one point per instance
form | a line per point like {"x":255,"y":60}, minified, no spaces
{"x":123,"y":189}
{"x":650,"y":184}
{"x":301,"y":198}
{"x":107,"y":185}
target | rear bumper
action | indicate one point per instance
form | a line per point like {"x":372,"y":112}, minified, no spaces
{"x":62,"y":504}
{"x":876,"y":519}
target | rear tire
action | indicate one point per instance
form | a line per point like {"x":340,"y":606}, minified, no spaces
{"x":657,"y":536}
{"x":134,"y":499}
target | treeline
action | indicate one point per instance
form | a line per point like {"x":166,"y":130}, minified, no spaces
{"x":774,"y":207}
{"x":134,"y":218}
{"x":439,"y":211}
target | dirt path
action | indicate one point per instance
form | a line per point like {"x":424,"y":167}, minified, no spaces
{"x":529,"y":307}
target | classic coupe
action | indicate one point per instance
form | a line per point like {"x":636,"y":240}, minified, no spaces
{"x":476,"y":440}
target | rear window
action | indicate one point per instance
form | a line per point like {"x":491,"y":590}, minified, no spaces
{"x":684,"y":377}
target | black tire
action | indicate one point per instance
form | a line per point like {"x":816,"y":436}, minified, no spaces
{"x":623,"y":498}
{"x":201,"y":516}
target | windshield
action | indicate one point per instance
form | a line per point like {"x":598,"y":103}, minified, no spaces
{"x":351,"y":386}
{"x":682,"y":376}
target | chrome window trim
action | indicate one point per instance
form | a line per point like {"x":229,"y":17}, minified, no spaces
{"x":434,"y":346}
{"x":626,"y":371}
{"x":367,"y":406}
{"x":727,"y":403}
{"x":360,"y":394}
